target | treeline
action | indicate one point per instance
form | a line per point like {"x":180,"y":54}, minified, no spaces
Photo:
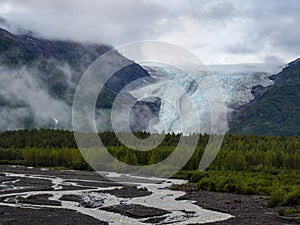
{"x":48,"y":138}
{"x":253,"y":153}
{"x":44,"y":138}
{"x":238,"y":152}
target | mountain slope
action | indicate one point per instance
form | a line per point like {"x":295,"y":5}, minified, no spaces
{"x":276,"y":109}
{"x":12,"y":51}
{"x":38,"y":79}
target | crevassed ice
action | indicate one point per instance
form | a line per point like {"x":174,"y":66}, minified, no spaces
{"x":171,"y":84}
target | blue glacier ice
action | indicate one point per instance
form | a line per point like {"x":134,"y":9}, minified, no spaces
{"x":175,"y":88}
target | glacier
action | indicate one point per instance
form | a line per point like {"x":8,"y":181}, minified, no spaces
{"x":175,"y":88}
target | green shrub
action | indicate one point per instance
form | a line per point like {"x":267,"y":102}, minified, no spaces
{"x":277,"y":197}
{"x":204,"y":184}
{"x":292,"y":198}
{"x":197,"y":175}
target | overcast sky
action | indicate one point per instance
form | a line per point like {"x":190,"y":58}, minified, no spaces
{"x":220,"y":31}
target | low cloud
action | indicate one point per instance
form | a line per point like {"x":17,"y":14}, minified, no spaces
{"x":25,"y":102}
{"x":219,"y":31}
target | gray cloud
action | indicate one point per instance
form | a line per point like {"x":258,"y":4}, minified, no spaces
{"x":95,"y":21}
{"x":220,"y":31}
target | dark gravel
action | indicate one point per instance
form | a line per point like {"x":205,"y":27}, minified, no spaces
{"x":247,"y":209}
{"x":67,"y":174}
{"x":41,"y":199}
{"x":96,"y":184}
{"x":129,"y":192}
{"x":71,"y":198}
{"x":26,"y":216}
{"x":136,"y":211}
{"x":28,"y":184}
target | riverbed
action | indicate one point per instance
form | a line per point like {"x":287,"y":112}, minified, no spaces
{"x":43,"y":196}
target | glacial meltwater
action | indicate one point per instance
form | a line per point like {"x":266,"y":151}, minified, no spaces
{"x":90,"y":194}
